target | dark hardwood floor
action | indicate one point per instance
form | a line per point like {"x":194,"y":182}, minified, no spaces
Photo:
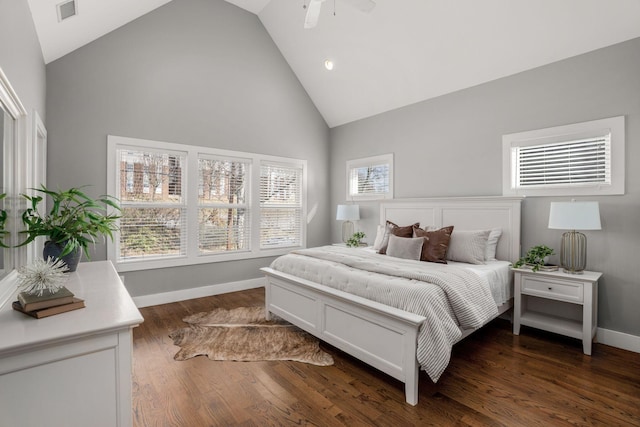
{"x":494,"y":379}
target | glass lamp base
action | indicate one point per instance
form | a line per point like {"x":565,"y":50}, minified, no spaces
{"x":573,"y":252}
{"x":347,"y":231}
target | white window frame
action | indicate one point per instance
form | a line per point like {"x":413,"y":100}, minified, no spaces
{"x":298,"y":206}
{"x":190,"y":194}
{"x":246,"y":205}
{"x":614,"y":125}
{"x":364,"y":162}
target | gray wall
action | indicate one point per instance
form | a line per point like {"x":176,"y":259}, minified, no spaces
{"x":197,"y":72}
{"x":451,"y":146}
{"x":21,"y":57}
{"x":22,"y":62}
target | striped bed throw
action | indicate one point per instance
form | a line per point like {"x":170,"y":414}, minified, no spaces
{"x":450,"y":298}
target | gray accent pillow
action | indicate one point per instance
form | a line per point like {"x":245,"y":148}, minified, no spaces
{"x":377,"y":243}
{"x":468,"y":246}
{"x":492,"y":244}
{"x":405,"y":247}
{"x":396,"y":230}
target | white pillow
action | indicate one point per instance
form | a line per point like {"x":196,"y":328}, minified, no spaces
{"x":492,"y":244}
{"x":468,"y":246}
{"x":377,"y":243}
{"x":405,"y":247}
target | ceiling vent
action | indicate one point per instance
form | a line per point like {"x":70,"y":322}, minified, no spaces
{"x":66,"y":10}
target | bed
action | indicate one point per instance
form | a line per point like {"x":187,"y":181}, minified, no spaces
{"x":385,"y":336}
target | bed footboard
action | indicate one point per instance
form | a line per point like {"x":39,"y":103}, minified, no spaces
{"x":381,"y":336}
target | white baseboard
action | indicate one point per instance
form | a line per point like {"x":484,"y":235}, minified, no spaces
{"x":605,"y":336}
{"x":618,"y":339}
{"x":199,"y":292}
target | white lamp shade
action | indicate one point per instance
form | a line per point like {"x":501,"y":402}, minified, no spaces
{"x":348,"y":213}
{"x":574,"y":216}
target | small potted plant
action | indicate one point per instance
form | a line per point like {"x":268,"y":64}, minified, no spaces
{"x":74,"y":221}
{"x":355,"y":240}
{"x":535,"y":258}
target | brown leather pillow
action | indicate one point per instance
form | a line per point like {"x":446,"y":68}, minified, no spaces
{"x":396,"y":230}
{"x":436,"y":243}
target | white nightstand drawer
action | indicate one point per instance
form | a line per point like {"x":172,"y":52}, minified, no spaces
{"x":553,"y":289}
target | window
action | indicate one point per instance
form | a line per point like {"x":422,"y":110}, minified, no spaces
{"x":370,"y":178}
{"x":185,"y":205}
{"x":224,"y":223}
{"x":579,"y":159}
{"x":280,"y":205}
{"x":153,"y":219}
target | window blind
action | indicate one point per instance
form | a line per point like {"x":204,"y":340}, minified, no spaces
{"x":186,"y":204}
{"x":152,"y":223}
{"x":583,"y":161}
{"x":280,"y":205}
{"x":224,"y":223}
{"x":371,"y":179}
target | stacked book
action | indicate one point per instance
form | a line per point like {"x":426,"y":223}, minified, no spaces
{"x":47,"y":304}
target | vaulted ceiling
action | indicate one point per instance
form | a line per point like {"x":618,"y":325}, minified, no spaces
{"x":400,"y":53}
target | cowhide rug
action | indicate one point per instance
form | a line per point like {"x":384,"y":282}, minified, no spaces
{"x":243,"y":334}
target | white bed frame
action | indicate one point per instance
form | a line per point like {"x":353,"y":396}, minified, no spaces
{"x":382,"y":336}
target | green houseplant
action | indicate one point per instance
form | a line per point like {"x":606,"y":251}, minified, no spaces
{"x":535,"y":257}
{"x":74,"y":221}
{"x":354,"y":241}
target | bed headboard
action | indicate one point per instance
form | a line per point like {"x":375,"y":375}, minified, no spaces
{"x":464,"y":213}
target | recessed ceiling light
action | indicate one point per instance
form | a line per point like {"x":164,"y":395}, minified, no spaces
{"x":328,"y":64}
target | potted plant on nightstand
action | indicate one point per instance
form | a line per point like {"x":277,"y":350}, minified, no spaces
{"x":74,"y":221}
{"x":535,"y":258}
{"x":355,"y":239}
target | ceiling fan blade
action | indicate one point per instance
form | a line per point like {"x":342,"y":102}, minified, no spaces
{"x":362,"y":5}
{"x":313,"y":13}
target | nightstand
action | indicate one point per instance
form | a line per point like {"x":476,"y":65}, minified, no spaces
{"x":557,"y":302}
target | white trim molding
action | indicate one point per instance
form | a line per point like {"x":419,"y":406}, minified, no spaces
{"x":613,"y":158}
{"x":373,"y":162}
{"x":37,"y":176}
{"x":618,"y":339}
{"x":14,"y":150}
{"x":9,"y":99}
{"x":199,"y":292}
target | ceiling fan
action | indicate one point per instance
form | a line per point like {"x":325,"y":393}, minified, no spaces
{"x":313,"y":10}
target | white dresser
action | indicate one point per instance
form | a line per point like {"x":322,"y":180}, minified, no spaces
{"x":74,"y":368}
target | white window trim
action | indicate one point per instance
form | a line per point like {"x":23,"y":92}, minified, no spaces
{"x":368,"y":161}
{"x":616,"y":125}
{"x":247,"y":159}
{"x":14,"y":178}
{"x":191,"y":193}
{"x":37,"y":175}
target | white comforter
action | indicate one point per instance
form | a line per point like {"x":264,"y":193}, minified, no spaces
{"x":450,"y":298}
